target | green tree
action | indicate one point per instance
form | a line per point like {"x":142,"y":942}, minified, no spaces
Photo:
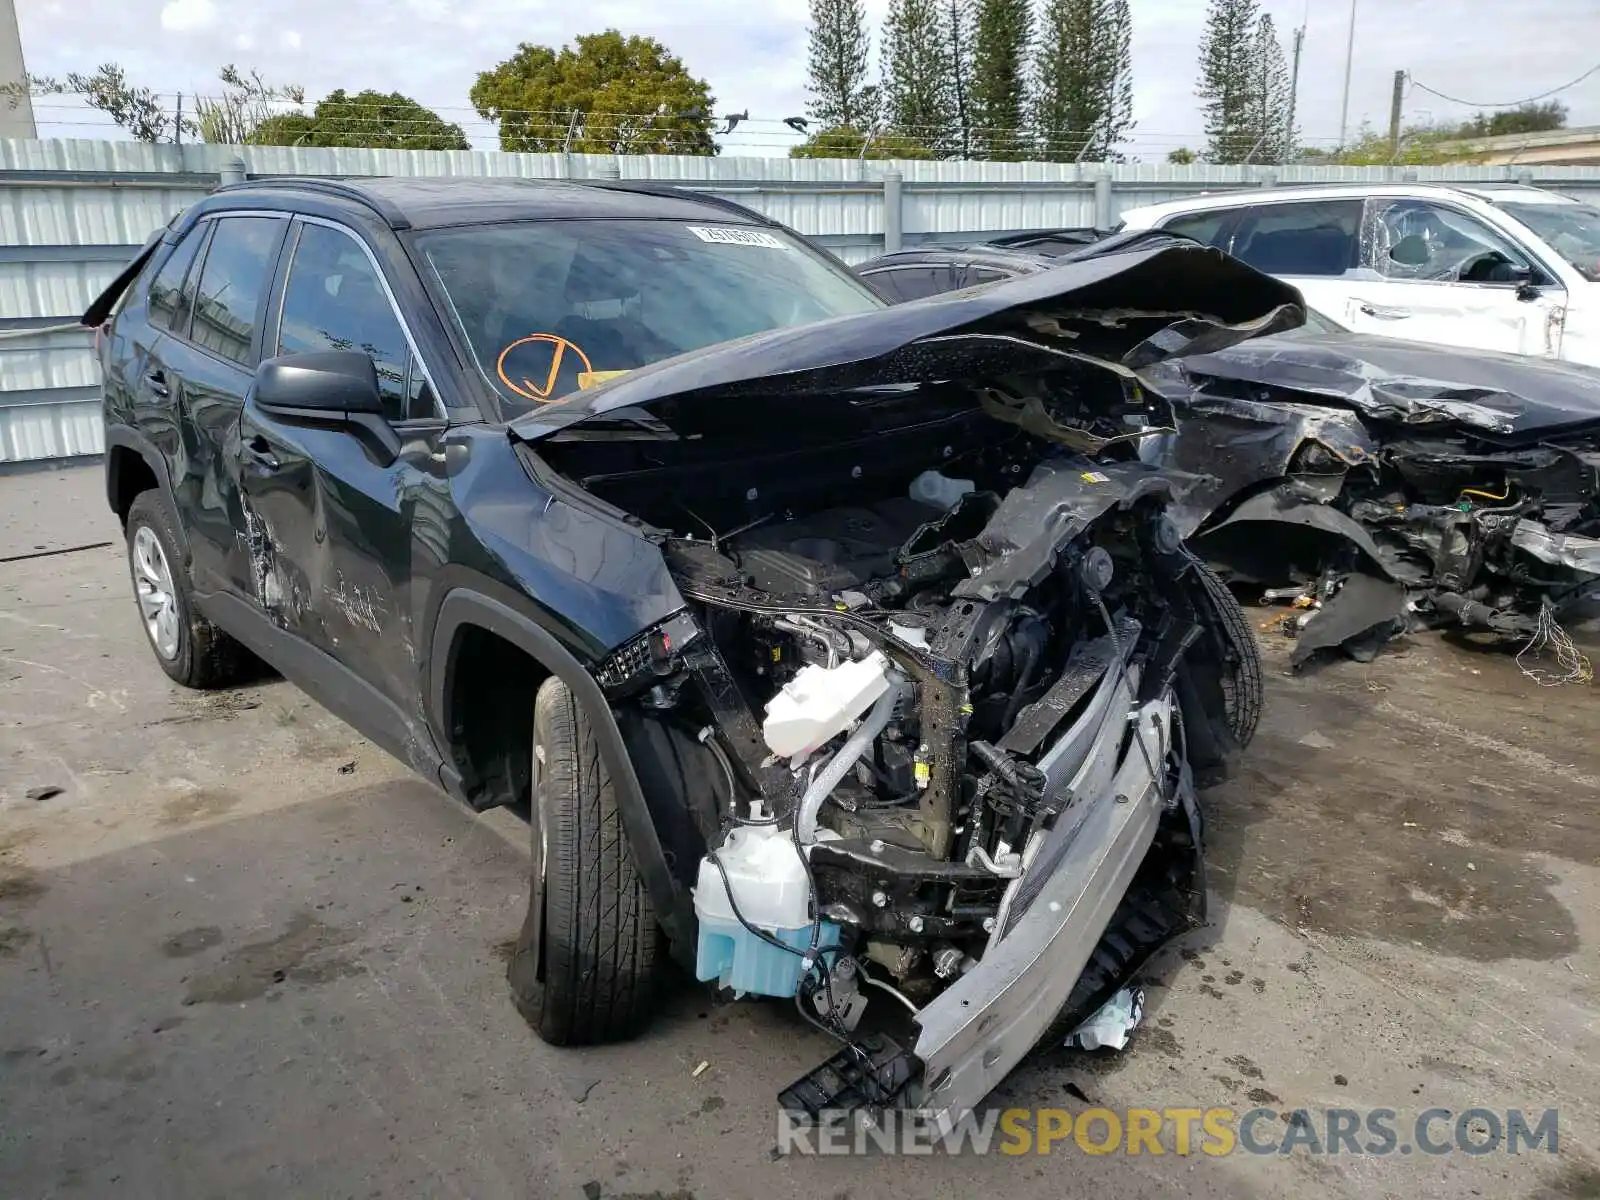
{"x":843,"y":142}
{"x":228,"y":117}
{"x":1083,"y":106}
{"x":958,"y":57}
{"x":1273,"y":140}
{"x":1000,"y":46}
{"x":918,"y":99}
{"x":1525,"y":118}
{"x":837,"y":51}
{"x":1420,"y":145}
{"x":1182,"y":156}
{"x":137,"y":109}
{"x":606,"y":94}
{"x":379,"y":120}
{"x":1228,"y":79}
{"x":232,"y":118}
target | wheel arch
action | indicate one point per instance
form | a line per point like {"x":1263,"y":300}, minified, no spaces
{"x":134,"y":465}
{"x":465,"y":613}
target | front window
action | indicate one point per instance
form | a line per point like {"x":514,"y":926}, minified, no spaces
{"x":1572,"y":230}
{"x":1418,"y":240}
{"x":552,"y":307}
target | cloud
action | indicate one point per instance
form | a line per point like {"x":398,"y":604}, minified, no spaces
{"x":244,"y":41}
{"x":188,"y":16}
{"x":289,"y":39}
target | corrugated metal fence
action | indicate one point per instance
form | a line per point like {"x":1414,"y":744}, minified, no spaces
{"x":72,"y":212}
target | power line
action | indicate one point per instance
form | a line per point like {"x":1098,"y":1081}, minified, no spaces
{"x":1507,"y":103}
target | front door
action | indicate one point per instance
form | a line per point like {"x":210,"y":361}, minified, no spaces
{"x":339,"y":519}
{"x":1438,"y":274}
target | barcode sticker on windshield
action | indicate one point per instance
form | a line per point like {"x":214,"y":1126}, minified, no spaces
{"x":736,"y":237}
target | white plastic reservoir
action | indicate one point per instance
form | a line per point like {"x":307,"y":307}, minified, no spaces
{"x":773,"y":894}
{"x":821,"y":702}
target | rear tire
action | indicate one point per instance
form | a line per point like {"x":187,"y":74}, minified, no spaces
{"x":191,"y":650}
{"x":586,"y":965}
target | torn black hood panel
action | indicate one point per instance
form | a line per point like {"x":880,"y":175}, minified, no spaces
{"x":1500,"y":398}
{"x":1128,"y":302}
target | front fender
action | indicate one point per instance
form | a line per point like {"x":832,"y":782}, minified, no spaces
{"x":512,"y":618}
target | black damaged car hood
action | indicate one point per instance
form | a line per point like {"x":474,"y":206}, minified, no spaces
{"x":1126,"y":304}
{"x":1504,"y":398}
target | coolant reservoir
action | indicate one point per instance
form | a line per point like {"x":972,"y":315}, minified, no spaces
{"x":821,"y":702}
{"x":941,"y":491}
{"x":770,"y":886}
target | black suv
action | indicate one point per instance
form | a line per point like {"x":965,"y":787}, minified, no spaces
{"x":830,"y":643}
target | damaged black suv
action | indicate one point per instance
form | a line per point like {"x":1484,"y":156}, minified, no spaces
{"x":841,"y":652}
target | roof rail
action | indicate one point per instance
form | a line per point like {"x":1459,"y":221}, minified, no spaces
{"x":390,"y":213}
{"x":650,"y":187}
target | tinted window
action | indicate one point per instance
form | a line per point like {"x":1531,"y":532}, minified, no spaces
{"x":1308,"y":238}
{"x":1205,"y":227}
{"x":228,"y":302}
{"x":974,"y":276}
{"x":911,"y":283}
{"x":334,"y":301}
{"x":170,"y":301}
{"x":1421,"y":240}
{"x":550,"y":307}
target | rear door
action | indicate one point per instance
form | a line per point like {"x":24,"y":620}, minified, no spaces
{"x":347,"y":527}
{"x":1313,"y":244}
{"x":1436,"y":273}
{"x":204,"y":366}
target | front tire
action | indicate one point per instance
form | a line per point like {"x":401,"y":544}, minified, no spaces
{"x":191,"y":650}
{"x":586,"y":965}
{"x":1243,"y":686}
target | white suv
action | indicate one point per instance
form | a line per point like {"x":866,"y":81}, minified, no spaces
{"x":1492,"y":266}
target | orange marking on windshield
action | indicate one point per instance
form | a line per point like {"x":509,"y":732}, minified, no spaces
{"x":529,"y":389}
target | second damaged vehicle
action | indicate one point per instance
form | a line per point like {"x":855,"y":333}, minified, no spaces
{"x":845,"y":654}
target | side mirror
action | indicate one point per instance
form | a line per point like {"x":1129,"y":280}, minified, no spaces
{"x":332,"y":384}
{"x":338,"y":387}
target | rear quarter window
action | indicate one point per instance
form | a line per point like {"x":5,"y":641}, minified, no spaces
{"x":169,"y":302}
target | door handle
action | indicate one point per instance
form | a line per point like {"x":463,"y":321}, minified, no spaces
{"x":157,"y":379}
{"x":1383,"y":313}
{"x":259,"y":451}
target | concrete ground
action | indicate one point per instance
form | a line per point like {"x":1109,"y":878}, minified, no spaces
{"x":243,"y":953}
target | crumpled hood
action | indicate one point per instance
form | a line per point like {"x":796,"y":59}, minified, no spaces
{"x":1125,"y":303}
{"x":1506,"y":398}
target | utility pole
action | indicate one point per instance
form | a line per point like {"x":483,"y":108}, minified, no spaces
{"x":1349,"y":57}
{"x":1294,"y":92}
{"x":16,"y":110}
{"x":1394,"y":115}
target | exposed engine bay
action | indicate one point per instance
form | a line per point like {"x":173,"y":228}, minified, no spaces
{"x":924,"y":741}
{"x":899,"y":703}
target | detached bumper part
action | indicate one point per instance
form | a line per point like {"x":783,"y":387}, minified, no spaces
{"x":980,"y":1028}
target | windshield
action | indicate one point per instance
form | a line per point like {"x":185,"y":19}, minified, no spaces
{"x":552,"y":307}
{"x":1573,"y":231}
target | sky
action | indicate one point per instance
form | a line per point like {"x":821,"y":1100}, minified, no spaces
{"x":754,"y":54}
